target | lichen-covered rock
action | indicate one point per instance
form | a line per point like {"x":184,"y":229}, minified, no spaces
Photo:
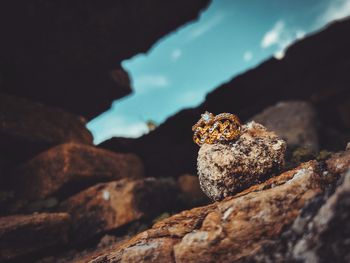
{"x":25,"y":234}
{"x":71,"y":164}
{"x":225,"y":169}
{"x":293,"y":121}
{"x":107,"y":206}
{"x":226,"y":231}
{"x":339,"y":162}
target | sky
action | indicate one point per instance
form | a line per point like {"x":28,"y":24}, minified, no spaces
{"x":230,"y":37}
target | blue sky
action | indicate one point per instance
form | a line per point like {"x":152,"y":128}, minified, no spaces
{"x":230,"y":37}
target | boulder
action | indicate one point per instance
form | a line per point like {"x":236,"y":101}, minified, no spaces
{"x":108,"y":206}
{"x":21,"y":235}
{"x":67,"y":168}
{"x":227,"y":168}
{"x":293,"y":121}
{"x":27,"y":128}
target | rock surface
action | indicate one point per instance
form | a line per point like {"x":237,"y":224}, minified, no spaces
{"x":26,"y":128}
{"x":69,"y":167}
{"x":24,"y":234}
{"x":293,"y":121}
{"x":63,"y":53}
{"x":314,"y":69}
{"x":229,"y":230}
{"x":108,"y":206}
{"x":226,"y":169}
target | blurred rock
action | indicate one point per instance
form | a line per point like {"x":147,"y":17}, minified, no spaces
{"x":25,"y":234}
{"x":63,"y":53}
{"x":70,"y":167}
{"x":339,"y":163}
{"x":229,"y":230}
{"x":108,"y":206}
{"x":327,"y":236}
{"x":191,"y":191}
{"x":226,"y":169}
{"x":293,"y":121}
{"x":27,"y":128}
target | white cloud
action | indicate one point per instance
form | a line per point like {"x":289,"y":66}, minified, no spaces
{"x":273,"y":36}
{"x":110,"y":124}
{"x":176,"y":54}
{"x":206,"y":26}
{"x":336,"y":9}
{"x":247,"y":56}
{"x":281,"y":37}
{"x":145,"y":83}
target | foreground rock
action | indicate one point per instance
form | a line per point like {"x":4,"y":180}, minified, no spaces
{"x":293,"y":121}
{"x":225,"y":169}
{"x":72,"y":166}
{"x":25,"y":234}
{"x":230,"y":230}
{"x":26,"y":128}
{"x":107,"y":206}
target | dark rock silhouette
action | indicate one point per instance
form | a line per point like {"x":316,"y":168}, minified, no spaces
{"x":314,"y":69}
{"x":61,"y":53}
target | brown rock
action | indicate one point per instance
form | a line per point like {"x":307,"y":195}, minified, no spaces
{"x":69,"y":167}
{"x":339,"y":162}
{"x":190,"y":188}
{"x":293,"y":121}
{"x":226,"y":169}
{"x":107,"y":206}
{"x":233,"y":228}
{"x":24,"y":234}
{"x":27,"y":127}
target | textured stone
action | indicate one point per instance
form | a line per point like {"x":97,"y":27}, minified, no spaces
{"x":225,"y":169}
{"x":27,"y":128}
{"x":232,"y":229}
{"x":69,"y":167}
{"x":339,"y":163}
{"x":293,"y":121}
{"x":25,"y":234}
{"x":107,"y":206}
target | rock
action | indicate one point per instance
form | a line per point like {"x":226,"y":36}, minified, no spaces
{"x":339,"y":163}
{"x":327,"y":237}
{"x":300,"y":75}
{"x":108,"y":206}
{"x":27,"y":128}
{"x":62,"y":54}
{"x":293,"y":121}
{"x":192,"y":193}
{"x":229,"y":230}
{"x":21,"y":235}
{"x":226,"y":169}
{"x":70,"y":167}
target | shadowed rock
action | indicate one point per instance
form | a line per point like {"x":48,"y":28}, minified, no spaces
{"x":293,"y":121}
{"x":25,"y":234}
{"x":62,"y":53}
{"x":27,"y":127}
{"x":70,"y":167}
{"x":107,"y":206}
